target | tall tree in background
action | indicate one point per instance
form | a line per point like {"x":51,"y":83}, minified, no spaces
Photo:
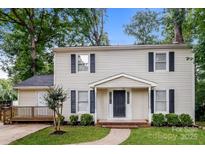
{"x":25,"y":36}
{"x":95,"y":21}
{"x":175,"y":26}
{"x":143,"y":26}
{"x":39,"y":25}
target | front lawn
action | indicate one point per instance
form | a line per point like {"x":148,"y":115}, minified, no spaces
{"x":73,"y":135}
{"x":166,"y":135}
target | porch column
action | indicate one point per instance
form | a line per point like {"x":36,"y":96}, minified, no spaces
{"x":149,"y":105}
{"x":95,"y":105}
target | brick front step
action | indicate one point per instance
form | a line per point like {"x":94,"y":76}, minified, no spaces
{"x":123,"y":124}
{"x":120,"y":126}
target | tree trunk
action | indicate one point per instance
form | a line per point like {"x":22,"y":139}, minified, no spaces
{"x":178,"y":37}
{"x":33,"y":54}
{"x":59,"y":123}
{"x":54,"y":121}
{"x":33,"y":42}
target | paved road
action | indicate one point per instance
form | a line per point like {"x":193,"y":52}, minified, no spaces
{"x":9,"y":133}
{"x":115,"y":137}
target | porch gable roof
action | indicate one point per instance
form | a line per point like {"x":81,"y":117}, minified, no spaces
{"x":143,"y":82}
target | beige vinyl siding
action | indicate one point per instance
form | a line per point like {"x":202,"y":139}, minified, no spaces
{"x":135,"y":63}
{"x":102,"y":104}
{"x":28,"y":97}
{"x":140,"y":104}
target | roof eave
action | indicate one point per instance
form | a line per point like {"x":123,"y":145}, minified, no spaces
{"x":150,"y":83}
{"x":122,"y":47}
{"x":31,"y":87}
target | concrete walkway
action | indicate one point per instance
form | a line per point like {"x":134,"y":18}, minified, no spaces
{"x":115,"y":137}
{"x":9,"y":133}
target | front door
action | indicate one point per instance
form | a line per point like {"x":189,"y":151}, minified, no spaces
{"x":119,"y":103}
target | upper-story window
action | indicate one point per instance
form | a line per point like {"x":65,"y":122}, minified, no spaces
{"x":82,"y":62}
{"x":160,"y":61}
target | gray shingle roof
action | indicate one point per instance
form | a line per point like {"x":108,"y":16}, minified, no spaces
{"x":37,"y":80}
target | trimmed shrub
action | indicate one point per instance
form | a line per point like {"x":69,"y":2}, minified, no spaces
{"x":172,"y":119}
{"x":86,"y":119}
{"x":186,"y":120}
{"x":158,"y":120}
{"x":73,"y":120}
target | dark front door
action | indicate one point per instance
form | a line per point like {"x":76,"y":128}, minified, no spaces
{"x":119,"y":103}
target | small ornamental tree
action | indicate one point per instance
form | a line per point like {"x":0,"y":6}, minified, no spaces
{"x":55,"y":98}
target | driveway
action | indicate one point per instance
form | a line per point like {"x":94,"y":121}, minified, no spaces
{"x":9,"y":133}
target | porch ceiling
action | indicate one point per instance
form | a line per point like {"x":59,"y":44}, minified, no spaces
{"x":123,"y":80}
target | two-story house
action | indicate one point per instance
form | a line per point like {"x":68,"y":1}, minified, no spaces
{"x":119,"y":82}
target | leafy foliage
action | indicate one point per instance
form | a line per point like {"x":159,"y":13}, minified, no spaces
{"x":185,"y":120}
{"x":174,"y":22}
{"x":158,"y":120}
{"x":86,"y":119}
{"x":172,"y":119}
{"x":95,"y":21}
{"x":197,"y":27}
{"x":73,"y":120}
{"x":55,"y":98}
{"x":6,"y":91}
{"x":143,"y":26}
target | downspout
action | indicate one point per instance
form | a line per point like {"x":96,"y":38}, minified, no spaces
{"x":95,"y":105}
{"x":149,"y":105}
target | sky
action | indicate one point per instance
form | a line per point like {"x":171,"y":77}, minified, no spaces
{"x":116,"y":19}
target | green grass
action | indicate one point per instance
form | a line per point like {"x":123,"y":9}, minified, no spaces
{"x":165,"y":135}
{"x":200,"y":123}
{"x":73,"y":135}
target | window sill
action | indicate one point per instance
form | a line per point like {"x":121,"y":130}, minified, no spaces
{"x":83,"y":112}
{"x":163,"y":112}
{"x":163,"y":71}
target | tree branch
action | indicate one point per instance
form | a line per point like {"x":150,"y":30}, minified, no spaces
{"x":21,"y":21}
{"x":2,"y":14}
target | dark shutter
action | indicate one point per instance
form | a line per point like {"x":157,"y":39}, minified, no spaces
{"x":92,"y":63}
{"x":152,"y":101}
{"x":73,"y":101}
{"x":171,"y":100}
{"x":151,"y":61}
{"x":73,"y":63}
{"x":92,"y":101}
{"x":171,"y":61}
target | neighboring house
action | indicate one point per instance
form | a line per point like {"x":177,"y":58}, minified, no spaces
{"x":119,"y":82}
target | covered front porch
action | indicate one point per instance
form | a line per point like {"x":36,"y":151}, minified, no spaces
{"x":124,"y":99}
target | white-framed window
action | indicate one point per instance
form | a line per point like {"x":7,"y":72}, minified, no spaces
{"x":161,"y":61}
{"x":82,"y":101}
{"x":161,"y":104}
{"x":83,"y":61}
